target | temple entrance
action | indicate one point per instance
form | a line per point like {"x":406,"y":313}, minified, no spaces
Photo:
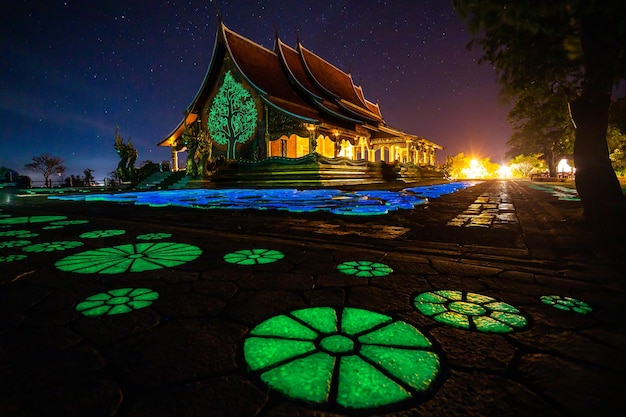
{"x":293,"y":146}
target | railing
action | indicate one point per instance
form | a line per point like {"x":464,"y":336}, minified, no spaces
{"x":96,"y":183}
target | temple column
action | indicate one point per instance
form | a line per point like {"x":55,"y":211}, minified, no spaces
{"x":362,"y":143}
{"x":174,"y":158}
{"x":312,"y":142}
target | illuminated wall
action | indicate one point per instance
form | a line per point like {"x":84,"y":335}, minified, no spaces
{"x":325,"y":146}
{"x":293,"y":146}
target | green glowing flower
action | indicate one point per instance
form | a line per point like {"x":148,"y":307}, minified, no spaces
{"x":11,"y":258}
{"x":353,"y":359}
{"x":253,"y":256}
{"x":566,"y":303}
{"x":52,"y":246}
{"x":62,"y":223}
{"x":154,"y":236}
{"x":122,"y":300}
{"x":365,"y":269}
{"x":470,"y":311}
{"x":102,"y":233}
{"x":31,"y":219}
{"x":14,"y":243}
{"x":18,"y":233}
{"x":68,"y":222}
{"x":130,"y":258}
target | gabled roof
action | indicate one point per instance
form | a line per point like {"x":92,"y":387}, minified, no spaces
{"x":337,"y":84}
{"x":294,"y":66}
{"x":293,"y":80}
{"x":262,"y":69}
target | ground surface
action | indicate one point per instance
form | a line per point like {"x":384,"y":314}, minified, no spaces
{"x":231,"y":313}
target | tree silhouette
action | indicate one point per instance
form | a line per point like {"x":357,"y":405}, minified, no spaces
{"x":233,"y":115}
{"x":573,"y":48}
{"x":88,"y":176}
{"x":47,"y":165}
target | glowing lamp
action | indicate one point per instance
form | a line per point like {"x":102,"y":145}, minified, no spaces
{"x":563,"y":167}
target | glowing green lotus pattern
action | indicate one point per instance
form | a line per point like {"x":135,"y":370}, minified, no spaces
{"x":352,"y":359}
{"x":20,"y":234}
{"x":62,"y":223}
{"x":68,"y":222}
{"x":102,"y":233}
{"x":119,"y":301}
{"x":566,"y":303}
{"x":466,"y":310}
{"x":52,"y":246}
{"x":253,"y":256}
{"x":14,"y":243}
{"x":154,"y":236}
{"x":11,"y":258}
{"x":364,"y":269}
{"x":30,"y":219}
{"x":130,"y":258}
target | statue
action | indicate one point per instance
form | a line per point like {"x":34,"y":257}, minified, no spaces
{"x":128,"y":156}
{"x":199,"y":147}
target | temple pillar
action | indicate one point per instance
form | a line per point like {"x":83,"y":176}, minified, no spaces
{"x":362,"y":143}
{"x":312,"y":141}
{"x":174,"y":158}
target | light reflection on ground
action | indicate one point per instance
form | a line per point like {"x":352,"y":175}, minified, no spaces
{"x":367,"y":203}
{"x":558,"y":191}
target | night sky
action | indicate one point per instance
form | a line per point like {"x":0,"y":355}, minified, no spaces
{"x":71,"y":71}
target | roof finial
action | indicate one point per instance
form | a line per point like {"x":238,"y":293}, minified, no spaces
{"x":217,"y":10}
{"x":295,"y":29}
{"x":275,"y":30}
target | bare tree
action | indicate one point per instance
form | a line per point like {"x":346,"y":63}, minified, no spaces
{"x":47,"y":165}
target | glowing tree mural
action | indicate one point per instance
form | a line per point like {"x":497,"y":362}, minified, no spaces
{"x":233,"y":115}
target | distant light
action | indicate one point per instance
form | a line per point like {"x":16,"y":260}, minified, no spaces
{"x":505,"y":171}
{"x":475,"y":170}
{"x":563,"y":166}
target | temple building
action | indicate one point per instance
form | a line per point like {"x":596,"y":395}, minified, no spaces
{"x":257,"y":104}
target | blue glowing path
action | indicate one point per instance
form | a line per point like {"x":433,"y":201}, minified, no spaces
{"x":364,"y":203}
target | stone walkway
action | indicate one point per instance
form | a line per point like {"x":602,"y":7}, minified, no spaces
{"x":485,"y":302}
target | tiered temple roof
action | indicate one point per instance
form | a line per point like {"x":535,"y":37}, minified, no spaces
{"x":297,"y":82}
